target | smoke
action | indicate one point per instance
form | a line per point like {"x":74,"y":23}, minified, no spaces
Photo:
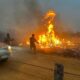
{"x":19,"y":17}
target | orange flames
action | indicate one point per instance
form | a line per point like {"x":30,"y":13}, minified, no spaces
{"x":49,"y":39}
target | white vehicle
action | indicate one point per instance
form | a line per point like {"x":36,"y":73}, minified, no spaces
{"x":5,"y":52}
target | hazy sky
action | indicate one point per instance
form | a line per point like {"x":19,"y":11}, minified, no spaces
{"x":67,"y":10}
{"x":18,"y":12}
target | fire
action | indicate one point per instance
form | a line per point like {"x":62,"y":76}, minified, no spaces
{"x":50,"y":14}
{"x":49,"y":38}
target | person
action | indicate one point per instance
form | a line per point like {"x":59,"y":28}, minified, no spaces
{"x":33,"y":42}
{"x":8,"y":39}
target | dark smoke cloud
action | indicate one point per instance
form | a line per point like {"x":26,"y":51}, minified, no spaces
{"x":19,"y":17}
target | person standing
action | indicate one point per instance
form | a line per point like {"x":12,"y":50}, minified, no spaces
{"x":8,"y":39}
{"x":33,"y":42}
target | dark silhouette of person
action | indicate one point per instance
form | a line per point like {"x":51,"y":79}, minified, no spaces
{"x":33,"y":42}
{"x":8,"y":39}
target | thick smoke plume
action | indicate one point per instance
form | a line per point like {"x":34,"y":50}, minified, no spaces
{"x":19,"y":17}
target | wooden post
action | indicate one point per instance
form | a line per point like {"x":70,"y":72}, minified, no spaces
{"x":59,"y":72}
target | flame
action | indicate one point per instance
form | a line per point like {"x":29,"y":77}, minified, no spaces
{"x":50,"y":14}
{"x":49,"y":39}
